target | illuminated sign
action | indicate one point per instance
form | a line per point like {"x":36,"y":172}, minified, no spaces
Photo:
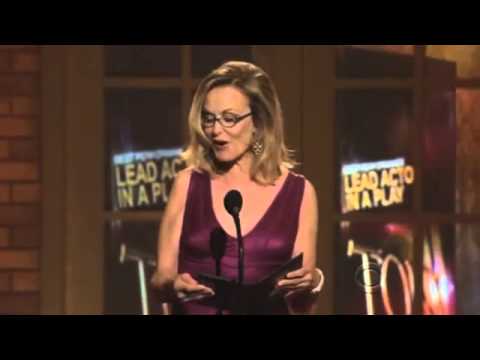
{"x":438,"y":285}
{"x":374,"y":275}
{"x":375,"y":184}
{"x":144,"y":179}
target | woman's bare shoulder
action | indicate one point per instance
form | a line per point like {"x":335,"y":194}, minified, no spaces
{"x":309,"y":188}
{"x":182,"y":180}
{"x":183,"y":176}
{"x":180,"y":184}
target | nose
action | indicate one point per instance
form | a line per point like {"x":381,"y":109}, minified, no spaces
{"x":216,"y":129}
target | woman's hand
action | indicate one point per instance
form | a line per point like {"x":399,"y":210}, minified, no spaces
{"x":180,"y":287}
{"x":297,"y":281}
{"x":298,"y":286}
{"x":186,"y":287}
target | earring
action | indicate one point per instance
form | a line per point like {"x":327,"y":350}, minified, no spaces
{"x":257,"y":148}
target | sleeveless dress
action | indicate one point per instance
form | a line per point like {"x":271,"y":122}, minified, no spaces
{"x":267,"y":246}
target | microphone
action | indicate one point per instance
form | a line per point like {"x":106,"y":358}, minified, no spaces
{"x":218,"y":242}
{"x":233,"y":204}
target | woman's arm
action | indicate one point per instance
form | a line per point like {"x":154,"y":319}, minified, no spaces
{"x":300,"y":283}
{"x":171,"y":285}
{"x":169,"y":236}
{"x":306,"y":240}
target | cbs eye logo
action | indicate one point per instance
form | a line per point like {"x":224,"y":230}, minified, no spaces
{"x":367,"y":276}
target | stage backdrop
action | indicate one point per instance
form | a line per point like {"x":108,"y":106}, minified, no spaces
{"x":375,"y":141}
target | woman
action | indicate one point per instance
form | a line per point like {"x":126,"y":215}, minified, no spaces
{"x":236,"y":142}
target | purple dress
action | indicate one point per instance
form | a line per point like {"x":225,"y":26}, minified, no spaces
{"x":267,"y":246}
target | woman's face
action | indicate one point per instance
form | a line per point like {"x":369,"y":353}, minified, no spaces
{"x":230,"y":138}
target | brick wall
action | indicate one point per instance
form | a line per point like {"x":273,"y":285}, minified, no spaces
{"x":20,"y":185}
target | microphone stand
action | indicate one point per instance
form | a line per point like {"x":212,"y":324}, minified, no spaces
{"x":241,"y":250}
{"x":241,"y":309}
{"x":233,"y":205}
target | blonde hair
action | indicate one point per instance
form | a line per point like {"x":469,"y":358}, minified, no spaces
{"x":267,"y":117}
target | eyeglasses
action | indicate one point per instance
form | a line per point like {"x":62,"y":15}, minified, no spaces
{"x":226,"y":119}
